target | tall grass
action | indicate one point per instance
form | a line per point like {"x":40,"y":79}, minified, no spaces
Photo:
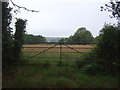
{"x":38,"y":76}
{"x":42,"y":73}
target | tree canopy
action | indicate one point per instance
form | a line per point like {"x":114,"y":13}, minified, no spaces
{"x":11,"y":44}
{"x":33,"y":39}
{"x":7,"y":40}
{"x":82,"y":35}
{"x":108,"y":48}
{"x":114,"y":7}
{"x":19,"y":38}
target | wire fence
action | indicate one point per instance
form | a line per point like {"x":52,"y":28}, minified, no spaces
{"x":53,"y":51}
{"x":58,"y":52}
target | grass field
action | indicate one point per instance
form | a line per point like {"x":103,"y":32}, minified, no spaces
{"x":41,"y":76}
{"x":68,"y":53}
{"x":41,"y":73}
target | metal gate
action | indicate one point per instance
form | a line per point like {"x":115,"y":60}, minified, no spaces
{"x":66,"y":51}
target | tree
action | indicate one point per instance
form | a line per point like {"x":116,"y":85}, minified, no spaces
{"x":17,"y":8}
{"x":104,"y":58}
{"x":19,"y":38}
{"x":63,"y":40}
{"x":97,"y":39}
{"x":34,"y":39}
{"x":7,"y":40}
{"x":108,"y":48}
{"x":81,"y":35}
{"x":70,"y":39}
{"x":114,"y":7}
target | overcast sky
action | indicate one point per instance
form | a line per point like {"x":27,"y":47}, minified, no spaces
{"x":61,"y":18}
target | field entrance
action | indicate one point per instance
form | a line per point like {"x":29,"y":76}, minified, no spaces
{"x":55,"y":52}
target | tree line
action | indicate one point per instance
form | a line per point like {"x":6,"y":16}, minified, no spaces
{"x":82,"y":35}
{"x":34,"y":39}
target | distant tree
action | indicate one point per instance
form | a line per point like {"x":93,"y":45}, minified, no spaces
{"x":34,"y":39}
{"x":70,"y":39}
{"x":81,"y":35}
{"x":63,"y":40}
{"x":19,"y":38}
{"x":41,"y":38}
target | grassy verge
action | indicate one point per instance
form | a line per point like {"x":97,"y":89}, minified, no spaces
{"x":41,"y":76}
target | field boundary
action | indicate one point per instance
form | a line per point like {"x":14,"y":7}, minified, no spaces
{"x":61,"y":47}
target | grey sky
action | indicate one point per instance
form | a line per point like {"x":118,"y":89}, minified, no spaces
{"x":63,"y":17}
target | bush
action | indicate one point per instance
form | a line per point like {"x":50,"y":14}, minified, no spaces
{"x":108,"y":49}
{"x":105,"y":58}
{"x":83,"y":60}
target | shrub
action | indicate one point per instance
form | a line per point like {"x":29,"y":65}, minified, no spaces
{"x":105,"y":57}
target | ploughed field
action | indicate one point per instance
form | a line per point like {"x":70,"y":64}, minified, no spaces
{"x":54,"y":53}
{"x":65,"y":49}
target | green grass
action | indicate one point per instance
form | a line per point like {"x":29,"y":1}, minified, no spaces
{"x":42,"y":73}
{"x":38,"y":59}
{"x":39,"y":76}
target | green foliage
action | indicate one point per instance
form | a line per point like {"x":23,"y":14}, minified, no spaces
{"x":62,"y":40}
{"x":97,"y":39}
{"x":70,"y":39}
{"x":11,"y":45}
{"x":105,"y":57}
{"x":19,"y":37}
{"x":113,"y":7}
{"x":108,"y":48}
{"x":34,"y":39}
{"x":87,"y":63}
{"x":7,"y":40}
{"x":84,"y":60}
{"x":32,"y":76}
{"x":81,"y":35}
